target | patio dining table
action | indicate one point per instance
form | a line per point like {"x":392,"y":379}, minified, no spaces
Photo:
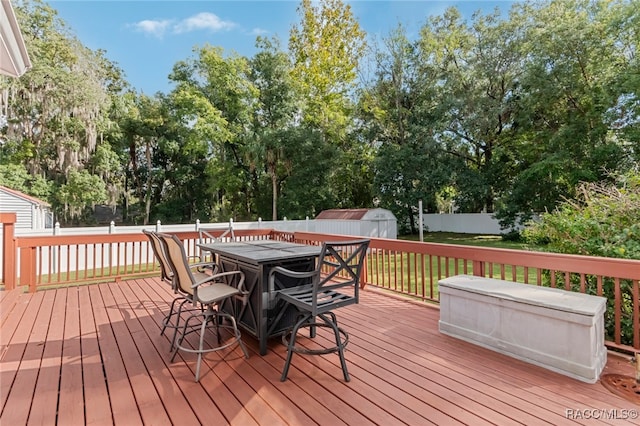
{"x":261,"y":316}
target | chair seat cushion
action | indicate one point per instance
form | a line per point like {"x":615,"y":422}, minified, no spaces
{"x":217,"y":291}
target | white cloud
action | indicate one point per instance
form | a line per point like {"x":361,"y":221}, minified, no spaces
{"x":151,"y":27}
{"x":203,"y":21}
{"x":258,"y":31}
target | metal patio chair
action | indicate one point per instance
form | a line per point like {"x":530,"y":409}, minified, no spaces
{"x":166,"y":274}
{"x":208,"y":290}
{"x":333,"y":284}
{"x":205,"y":236}
{"x":158,"y":251}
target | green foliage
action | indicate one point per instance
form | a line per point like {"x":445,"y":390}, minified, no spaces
{"x":503,"y":113}
{"x":577,"y":52}
{"x":211,"y":107}
{"x":326,"y":47}
{"x":522,"y":109}
{"x":409,"y":164}
{"x":601,"y":221}
{"x":81,"y":193}
{"x":53,"y":115}
{"x":273,"y":117}
{"x":404,"y":174}
{"x":473,"y":69}
{"x":307,"y":192}
{"x":106,"y":164}
{"x":16,"y":177}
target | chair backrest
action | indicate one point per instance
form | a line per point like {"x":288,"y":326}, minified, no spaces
{"x":178,"y":262}
{"x":340,"y":265}
{"x":206,"y":235}
{"x":158,"y":250}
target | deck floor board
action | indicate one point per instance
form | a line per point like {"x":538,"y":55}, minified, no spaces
{"x":94,"y":355}
{"x":44,"y":407}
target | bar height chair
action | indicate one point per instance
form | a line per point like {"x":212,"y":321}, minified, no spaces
{"x":166,"y":274}
{"x":208,"y":290}
{"x":333,"y":284}
{"x":205,"y":236}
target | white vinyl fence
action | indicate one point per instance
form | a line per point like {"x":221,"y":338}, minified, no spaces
{"x":465,"y":223}
{"x":113,"y":254}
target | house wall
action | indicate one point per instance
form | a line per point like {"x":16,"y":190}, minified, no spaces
{"x":28,"y":215}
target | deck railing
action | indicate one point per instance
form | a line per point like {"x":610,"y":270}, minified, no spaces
{"x":408,"y":268}
{"x":56,"y":260}
{"x":413,"y":269}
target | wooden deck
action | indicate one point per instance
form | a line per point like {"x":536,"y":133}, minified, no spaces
{"x":94,"y":355}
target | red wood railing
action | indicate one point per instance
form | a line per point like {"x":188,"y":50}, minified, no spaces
{"x":413,"y":269}
{"x":56,"y":260}
{"x":405,"y":267}
{"x":8,"y":221}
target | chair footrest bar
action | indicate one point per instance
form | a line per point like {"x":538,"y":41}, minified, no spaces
{"x":235,"y":332}
{"x":323,"y":351}
{"x":167,"y":323}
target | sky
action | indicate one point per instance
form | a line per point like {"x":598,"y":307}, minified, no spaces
{"x":146,"y":38}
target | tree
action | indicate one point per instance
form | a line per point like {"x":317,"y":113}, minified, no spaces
{"x":307,"y":190}
{"x":573,"y":60}
{"x":15,"y":176}
{"x":144,"y":131}
{"x":408,"y":165}
{"x":82,"y":190}
{"x":213,"y":103}
{"x":326,"y":47}
{"x":503,"y":113}
{"x":55,"y":113}
{"x":623,"y":118}
{"x":274,"y":114}
{"x":473,"y":70}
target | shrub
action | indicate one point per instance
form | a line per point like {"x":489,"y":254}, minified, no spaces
{"x":513,"y":236}
{"x":601,"y":221}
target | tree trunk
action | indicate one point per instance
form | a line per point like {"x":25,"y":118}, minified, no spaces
{"x":412,"y":221}
{"x":147,"y":195}
{"x":274,"y":188}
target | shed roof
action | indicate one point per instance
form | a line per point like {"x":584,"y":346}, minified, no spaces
{"x":346,"y":214}
{"x":22,"y":195}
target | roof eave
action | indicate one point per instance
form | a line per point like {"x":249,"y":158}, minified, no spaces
{"x":14,"y":58}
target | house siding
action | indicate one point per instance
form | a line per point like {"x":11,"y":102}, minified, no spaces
{"x":29,"y":215}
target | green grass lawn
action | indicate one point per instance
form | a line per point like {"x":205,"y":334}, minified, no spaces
{"x":469,"y":240}
{"x":403,"y":268}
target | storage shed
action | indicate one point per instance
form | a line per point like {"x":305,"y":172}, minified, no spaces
{"x":378,"y":223}
{"x":31,"y":213}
